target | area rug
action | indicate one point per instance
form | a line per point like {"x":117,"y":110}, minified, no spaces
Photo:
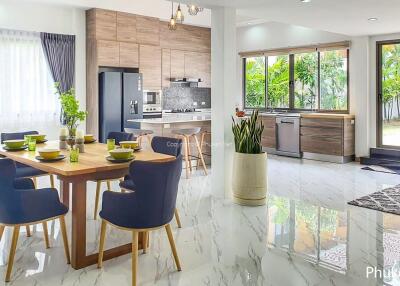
{"x":379,"y":169}
{"x":387,"y":200}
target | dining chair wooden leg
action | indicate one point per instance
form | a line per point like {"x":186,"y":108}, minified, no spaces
{"x":2,"y":227}
{"x":34,"y":179}
{"x":52,"y":185}
{"x":200,"y":155}
{"x":189,"y":153}
{"x":145,"y":237}
{"x":109,"y":185}
{"x":177,"y":218}
{"x":173,"y":247}
{"x":46,"y":234}
{"x":134,"y":256}
{"x":122,"y":189}
{"x":65,"y":239}
{"x":12,"y":252}
{"x":28,"y":231}
{"x":185,"y":145}
{"x":101,"y":244}
{"x":96,"y":201}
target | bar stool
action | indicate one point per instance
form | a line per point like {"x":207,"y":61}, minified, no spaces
{"x":140,"y":133}
{"x":203,"y":134}
{"x":186,"y":134}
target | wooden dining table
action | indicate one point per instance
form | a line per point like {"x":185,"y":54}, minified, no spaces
{"x":92,"y":165}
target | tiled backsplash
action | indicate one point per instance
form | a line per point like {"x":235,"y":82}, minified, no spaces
{"x":186,"y":97}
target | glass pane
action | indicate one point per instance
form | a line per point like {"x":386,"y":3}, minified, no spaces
{"x":390,"y":94}
{"x":278,"y":81}
{"x":333,"y":80}
{"x":255,"y":82}
{"x":306,"y":80}
{"x":306,"y":230}
{"x":279,"y":222}
{"x":333,"y":238}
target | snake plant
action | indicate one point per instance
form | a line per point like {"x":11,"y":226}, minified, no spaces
{"x":247,"y":134}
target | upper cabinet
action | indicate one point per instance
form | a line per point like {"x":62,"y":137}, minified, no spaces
{"x":150,"y":66}
{"x":102,"y":24}
{"x":108,"y":53}
{"x":148,"y":30}
{"x":126,"y":27}
{"x":165,"y":68}
{"x":177,"y":64}
{"x":198,"y":65}
{"x":128,"y":55}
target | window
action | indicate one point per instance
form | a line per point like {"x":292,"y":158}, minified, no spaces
{"x":316,"y":80}
{"x":255,"y":82}
{"x":306,"y":81}
{"x":278,"y":81}
{"x":27,"y":99}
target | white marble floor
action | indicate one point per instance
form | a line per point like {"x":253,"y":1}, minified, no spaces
{"x":306,"y":235}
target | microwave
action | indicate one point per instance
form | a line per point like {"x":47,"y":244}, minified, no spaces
{"x":152,"y":97}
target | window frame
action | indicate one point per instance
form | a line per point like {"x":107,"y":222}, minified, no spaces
{"x":291,"y":107}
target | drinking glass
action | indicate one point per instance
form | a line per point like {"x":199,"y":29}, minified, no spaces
{"x":74,"y":155}
{"x":110,"y":144}
{"x":31,"y":144}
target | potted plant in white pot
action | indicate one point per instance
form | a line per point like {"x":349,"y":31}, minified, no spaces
{"x":249,"y":180}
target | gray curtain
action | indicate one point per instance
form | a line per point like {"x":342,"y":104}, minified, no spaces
{"x":59,"y":51}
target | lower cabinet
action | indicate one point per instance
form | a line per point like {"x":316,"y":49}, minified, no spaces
{"x":268,"y":137}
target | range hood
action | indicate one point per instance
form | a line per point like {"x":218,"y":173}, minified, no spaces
{"x":185,"y":79}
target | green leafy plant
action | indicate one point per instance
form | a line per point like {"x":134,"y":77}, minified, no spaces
{"x":247,"y":134}
{"x":70,"y":109}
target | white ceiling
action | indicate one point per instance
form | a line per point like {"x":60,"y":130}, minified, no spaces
{"x":348,"y":17}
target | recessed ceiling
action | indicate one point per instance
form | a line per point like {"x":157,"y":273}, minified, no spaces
{"x":348,"y":17}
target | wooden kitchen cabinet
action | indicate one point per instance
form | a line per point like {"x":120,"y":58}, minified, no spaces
{"x":198,"y":65}
{"x":102,"y":24}
{"x":126,"y":27}
{"x":148,"y":30}
{"x":268,"y":137}
{"x":177,"y":64}
{"x":150,"y":66}
{"x":327,"y":136}
{"x":128,"y":55}
{"x":108,"y":53}
{"x":166,"y":68}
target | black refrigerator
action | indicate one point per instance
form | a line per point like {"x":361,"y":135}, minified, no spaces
{"x":120,"y":99}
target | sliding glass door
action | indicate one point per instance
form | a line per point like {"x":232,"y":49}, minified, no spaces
{"x":388,"y":91}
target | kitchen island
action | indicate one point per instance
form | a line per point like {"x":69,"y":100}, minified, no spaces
{"x":172,"y":121}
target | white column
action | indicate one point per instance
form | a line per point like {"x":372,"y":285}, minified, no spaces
{"x":223,"y":72}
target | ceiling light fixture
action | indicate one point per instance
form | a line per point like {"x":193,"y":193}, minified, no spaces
{"x":373,"y":19}
{"x":172,"y":22}
{"x":194,"y":9}
{"x":305,"y":1}
{"x":179,"y":15}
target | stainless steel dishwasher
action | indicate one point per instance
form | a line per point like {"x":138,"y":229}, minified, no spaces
{"x":288,"y":135}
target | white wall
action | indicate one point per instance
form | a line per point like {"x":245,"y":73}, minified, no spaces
{"x":19,"y":15}
{"x":362,"y":70}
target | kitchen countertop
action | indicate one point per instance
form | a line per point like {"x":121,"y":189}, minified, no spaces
{"x":310,"y":115}
{"x":176,"y":118}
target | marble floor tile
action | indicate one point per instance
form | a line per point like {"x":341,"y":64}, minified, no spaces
{"x":305,"y":235}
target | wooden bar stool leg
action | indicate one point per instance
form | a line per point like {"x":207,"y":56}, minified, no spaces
{"x":28,"y":231}
{"x":189,"y":153}
{"x":201,"y":148}
{"x":96,"y":202}
{"x":109,"y":185}
{"x":185,"y":145}
{"x":52,"y":185}
{"x":148,"y":139}
{"x":134,"y":256}
{"x":46,"y":234}
{"x":12,"y":252}
{"x":101,"y":245}
{"x":145,"y":237}
{"x":173,"y":247}
{"x":65,"y":239}
{"x":201,"y":155}
{"x":177,"y":218}
{"x":140,"y":140}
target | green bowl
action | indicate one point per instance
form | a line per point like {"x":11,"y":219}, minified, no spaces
{"x":49,"y":154}
{"x":89,"y":138}
{"x":121,"y":153}
{"x":14,"y":144}
{"x":37,"y":137}
{"x":129,"y":144}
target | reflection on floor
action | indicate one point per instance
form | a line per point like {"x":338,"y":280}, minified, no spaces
{"x":306,"y":235}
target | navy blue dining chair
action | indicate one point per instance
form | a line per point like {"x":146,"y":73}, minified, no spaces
{"x":163,"y":145}
{"x":118,"y":137}
{"x":21,"y":205}
{"x":151,"y":206}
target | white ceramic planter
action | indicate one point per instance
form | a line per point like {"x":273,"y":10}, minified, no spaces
{"x":249,"y":180}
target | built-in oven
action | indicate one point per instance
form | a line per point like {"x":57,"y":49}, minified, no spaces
{"x":152,"y":107}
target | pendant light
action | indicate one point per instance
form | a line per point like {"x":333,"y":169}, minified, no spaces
{"x":172,"y":22}
{"x":194,"y":9}
{"x":179,"y":15}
